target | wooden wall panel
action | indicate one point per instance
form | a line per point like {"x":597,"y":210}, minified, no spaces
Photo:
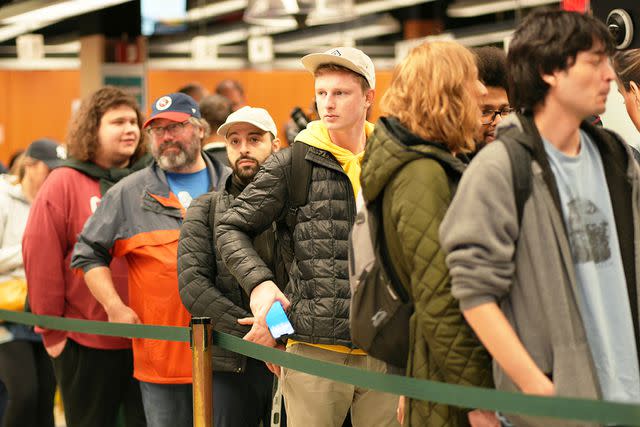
{"x":5,"y":145}
{"x":35,"y":104}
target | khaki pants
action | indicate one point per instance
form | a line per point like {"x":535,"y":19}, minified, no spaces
{"x":313,"y":401}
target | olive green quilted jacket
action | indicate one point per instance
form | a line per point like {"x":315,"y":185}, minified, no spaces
{"x":416,"y":179}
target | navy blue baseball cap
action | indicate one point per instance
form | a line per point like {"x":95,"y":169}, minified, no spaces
{"x":175,"y":106}
{"x":47,"y":151}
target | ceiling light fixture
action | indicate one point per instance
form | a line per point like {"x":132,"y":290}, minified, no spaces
{"x":472,"y":8}
{"x":57,"y":11}
{"x":305,"y":12}
{"x":216,"y":9}
{"x":361,"y":29}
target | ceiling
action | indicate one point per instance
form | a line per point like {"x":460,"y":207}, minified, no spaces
{"x":213,"y":34}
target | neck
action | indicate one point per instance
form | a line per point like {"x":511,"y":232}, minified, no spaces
{"x":28,"y":189}
{"x":352,"y":139}
{"x":559,"y":127}
{"x":196,"y":166}
{"x":112,"y":164}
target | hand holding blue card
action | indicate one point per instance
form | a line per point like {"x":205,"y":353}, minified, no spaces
{"x":278,"y":322}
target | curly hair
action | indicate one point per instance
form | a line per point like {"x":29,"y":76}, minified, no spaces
{"x":82,"y":138}
{"x":492,"y":66}
{"x":430,"y":94}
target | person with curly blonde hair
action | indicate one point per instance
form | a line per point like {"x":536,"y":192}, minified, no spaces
{"x":104,"y":144}
{"x":412,"y":163}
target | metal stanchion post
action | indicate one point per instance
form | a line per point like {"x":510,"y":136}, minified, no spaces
{"x":201,"y":337}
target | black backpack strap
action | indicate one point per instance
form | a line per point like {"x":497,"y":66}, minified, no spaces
{"x":299,"y":181}
{"x":520,"y":158}
{"x":383,"y":251}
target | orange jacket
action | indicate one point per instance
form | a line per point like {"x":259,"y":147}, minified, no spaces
{"x":139,"y":219}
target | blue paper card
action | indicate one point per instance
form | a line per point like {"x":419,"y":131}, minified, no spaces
{"x":278,"y":322}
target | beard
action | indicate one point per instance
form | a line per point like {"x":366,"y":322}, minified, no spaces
{"x":186,"y":155}
{"x":246,"y":173}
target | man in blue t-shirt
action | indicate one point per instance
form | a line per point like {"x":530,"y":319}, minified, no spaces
{"x":552,"y":293}
{"x":139,"y":219}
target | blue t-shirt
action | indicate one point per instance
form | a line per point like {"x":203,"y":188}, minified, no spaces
{"x":188,"y":186}
{"x":602,"y":288}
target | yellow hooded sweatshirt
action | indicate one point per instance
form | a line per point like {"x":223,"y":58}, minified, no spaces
{"x":317,"y":135}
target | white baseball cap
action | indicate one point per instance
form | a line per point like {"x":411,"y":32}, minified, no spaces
{"x":259,"y":117}
{"x":349,"y":57}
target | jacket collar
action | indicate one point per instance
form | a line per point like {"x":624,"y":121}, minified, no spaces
{"x":15,"y":192}
{"x":156,"y":180}
{"x":613,"y":151}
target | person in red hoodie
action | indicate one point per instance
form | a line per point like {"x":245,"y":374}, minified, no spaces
{"x":94,"y":372}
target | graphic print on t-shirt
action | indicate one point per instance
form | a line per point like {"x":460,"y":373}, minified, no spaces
{"x":588,"y":232}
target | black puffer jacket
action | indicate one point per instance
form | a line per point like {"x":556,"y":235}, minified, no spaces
{"x":319,"y":287}
{"x":206,"y":286}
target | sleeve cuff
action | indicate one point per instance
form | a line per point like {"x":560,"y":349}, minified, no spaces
{"x":468,"y":303}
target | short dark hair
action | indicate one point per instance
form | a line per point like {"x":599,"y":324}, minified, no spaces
{"x":548,"y":41}
{"x":492,"y":66}
{"x":215,"y":109}
{"x":227,"y":84}
{"x":194,"y":90}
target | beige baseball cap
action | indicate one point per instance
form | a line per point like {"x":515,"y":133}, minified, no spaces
{"x":259,"y":117}
{"x":349,"y":57}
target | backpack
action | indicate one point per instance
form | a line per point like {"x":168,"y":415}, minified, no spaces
{"x":520,"y":159}
{"x":380,"y":305}
{"x":299,"y":182}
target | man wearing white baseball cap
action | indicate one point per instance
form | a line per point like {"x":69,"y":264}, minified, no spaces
{"x":317,"y":295}
{"x":243,"y":386}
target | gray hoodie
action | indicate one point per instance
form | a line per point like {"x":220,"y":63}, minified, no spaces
{"x":536,"y":286}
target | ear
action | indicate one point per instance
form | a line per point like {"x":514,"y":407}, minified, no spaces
{"x":549,"y":79}
{"x":275,"y":144}
{"x":635,"y":91}
{"x":369,"y":96}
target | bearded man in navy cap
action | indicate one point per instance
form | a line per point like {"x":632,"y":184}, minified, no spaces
{"x":139,"y":219}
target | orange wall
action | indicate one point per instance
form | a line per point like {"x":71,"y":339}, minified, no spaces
{"x":36,"y":104}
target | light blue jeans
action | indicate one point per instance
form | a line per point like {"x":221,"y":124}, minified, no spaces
{"x":167,"y":405}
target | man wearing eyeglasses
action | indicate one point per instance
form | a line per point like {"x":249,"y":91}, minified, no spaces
{"x":139,"y":219}
{"x":492,"y":71}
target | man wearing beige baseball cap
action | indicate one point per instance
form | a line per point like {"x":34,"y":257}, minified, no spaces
{"x":318,"y":295}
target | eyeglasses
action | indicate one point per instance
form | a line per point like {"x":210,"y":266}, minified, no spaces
{"x":488,"y":116}
{"x":173,"y":129}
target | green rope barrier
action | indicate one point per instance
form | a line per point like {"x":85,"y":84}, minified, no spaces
{"x":450,"y":394}
{"x":166,"y":333}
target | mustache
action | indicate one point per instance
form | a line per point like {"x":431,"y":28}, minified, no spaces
{"x":246,"y":158}
{"x":169,"y":144}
